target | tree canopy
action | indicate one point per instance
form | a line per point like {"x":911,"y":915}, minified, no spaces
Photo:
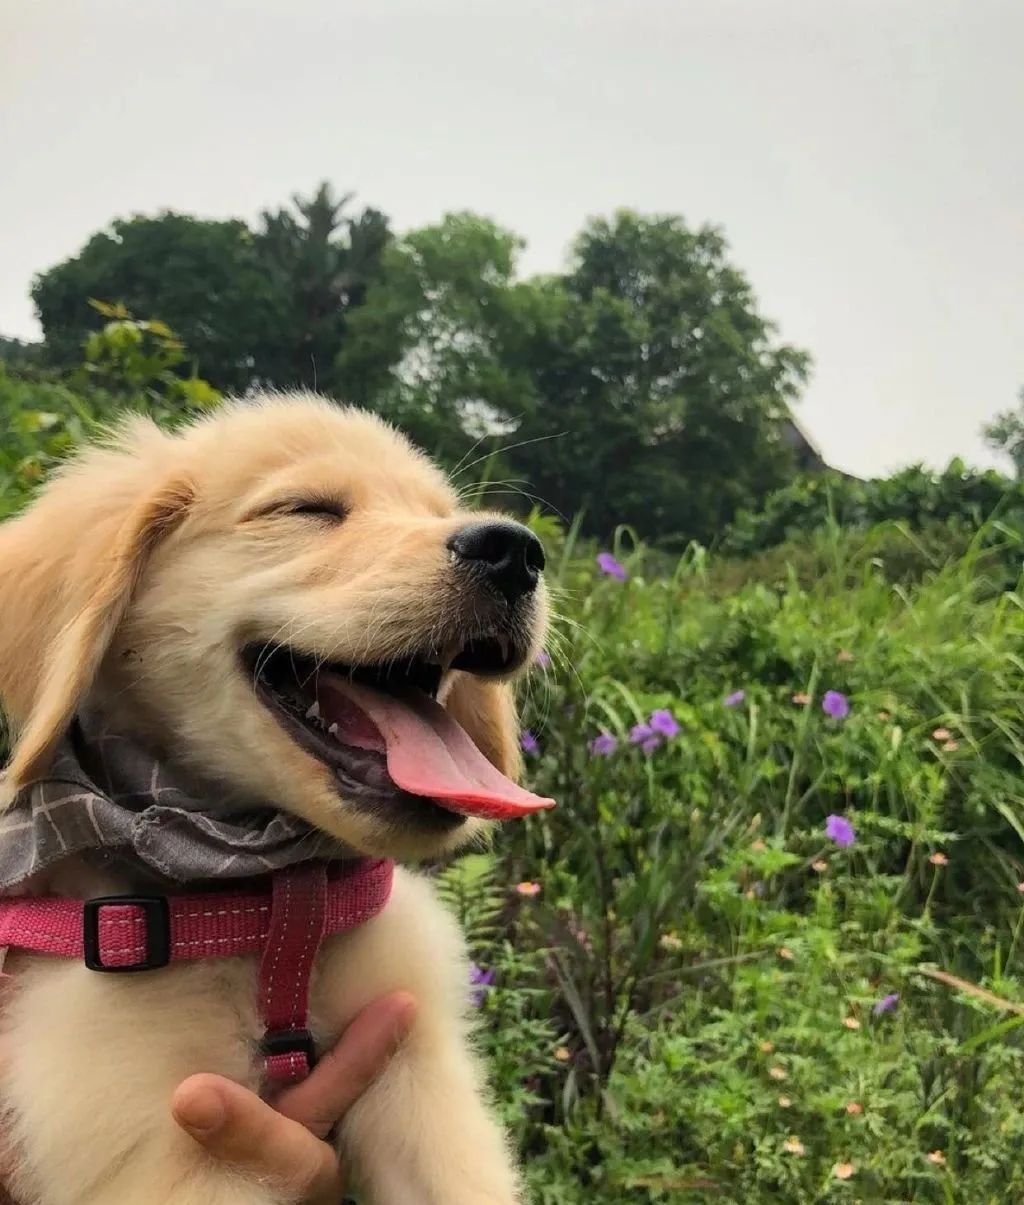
{"x":264,"y":305}
{"x":1005,"y":433}
{"x":641,"y":385}
{"x":202,"y":278}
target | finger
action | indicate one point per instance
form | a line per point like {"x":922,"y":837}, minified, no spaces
{"x":234,"y":1125}
{"x":344,"y":1073}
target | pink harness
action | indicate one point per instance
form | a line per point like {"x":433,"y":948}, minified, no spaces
{"x":285,"y":925}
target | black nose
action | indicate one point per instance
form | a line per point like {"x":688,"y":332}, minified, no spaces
{"x":509,"y":554}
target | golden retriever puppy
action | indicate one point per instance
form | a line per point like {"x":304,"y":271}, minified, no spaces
{"x":283,"y":606}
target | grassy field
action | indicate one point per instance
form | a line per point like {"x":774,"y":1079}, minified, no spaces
{"x":769,"y":946}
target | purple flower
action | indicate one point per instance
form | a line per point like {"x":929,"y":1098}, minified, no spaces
{"x":610,"y":566}
{"x":640,"y":733}
{"x":887,"y":1004}
{"x":835,"y":704}
{"x":481,"y":982}
{"x":603,"y":745}
{"x":735,"y":699}
{"x":840,"y":830}
{"x":543,"y":659}
{"x":664,"y":723}
{"x":650,"y":744}
{"x":529,"y":743}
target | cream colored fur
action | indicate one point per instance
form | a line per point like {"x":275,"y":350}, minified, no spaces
{"x":131,"y":584}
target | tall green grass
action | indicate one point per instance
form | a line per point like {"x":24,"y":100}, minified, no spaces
{"x":686,"y":1009}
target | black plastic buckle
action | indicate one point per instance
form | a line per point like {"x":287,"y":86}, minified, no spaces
{"x":289,"y":1041}
{"x":158,"y":932}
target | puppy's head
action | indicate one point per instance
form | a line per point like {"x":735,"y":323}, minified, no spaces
{"x":287,"y":600}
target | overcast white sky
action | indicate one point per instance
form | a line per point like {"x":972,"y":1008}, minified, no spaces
{"x":865,"y":157}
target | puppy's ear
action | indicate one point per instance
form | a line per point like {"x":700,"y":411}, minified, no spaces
{"x":68,"y":568}
{"x":487,"y":711}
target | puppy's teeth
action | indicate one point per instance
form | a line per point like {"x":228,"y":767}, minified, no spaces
{"x":333,"y":730}
{"x":314,"y":712}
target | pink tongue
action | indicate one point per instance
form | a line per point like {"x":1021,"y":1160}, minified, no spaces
{"x":428,"y":753}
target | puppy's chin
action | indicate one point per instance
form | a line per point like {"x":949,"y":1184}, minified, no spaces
{"x":275,"y":772}
{"x":411,"y":830}
{"x":393,"y":825}
{"x":374,"y":818}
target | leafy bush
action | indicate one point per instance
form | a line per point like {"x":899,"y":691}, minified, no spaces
{"x":900,"y":555}
{"x":707,"y":961}
{"x":915,"y":498}
{"x":128,"y":365}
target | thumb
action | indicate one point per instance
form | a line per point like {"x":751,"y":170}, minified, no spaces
{"x":239,"y":1128}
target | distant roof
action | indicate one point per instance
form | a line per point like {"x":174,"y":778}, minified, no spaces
{"x":808,"y":457}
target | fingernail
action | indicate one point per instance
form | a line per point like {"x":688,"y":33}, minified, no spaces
{"x":202,"y":1115}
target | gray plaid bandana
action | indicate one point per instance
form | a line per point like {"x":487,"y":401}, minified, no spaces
{"x":106,"y":799}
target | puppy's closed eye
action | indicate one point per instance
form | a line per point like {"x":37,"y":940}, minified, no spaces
{"x":325,"y":510}
{"x":318,"y":508}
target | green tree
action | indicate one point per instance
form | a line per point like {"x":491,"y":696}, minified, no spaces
{"x":671,"y":387}
{"x":264,"y":307}
{"x":18,"y":353}
{"x":203,"y":278}
{"x":319,"y":263}
{"x":435,"y":346}
{"x":1005,"y":433}
{"x":642,"y":386}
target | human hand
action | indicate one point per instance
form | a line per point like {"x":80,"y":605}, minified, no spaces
{"x":283,"y":1143}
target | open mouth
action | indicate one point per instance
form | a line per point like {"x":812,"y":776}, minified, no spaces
{"x":384,"y":736}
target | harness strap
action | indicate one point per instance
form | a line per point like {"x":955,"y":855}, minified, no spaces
{"x":298,"y":918}
{"x":286,"y":925}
